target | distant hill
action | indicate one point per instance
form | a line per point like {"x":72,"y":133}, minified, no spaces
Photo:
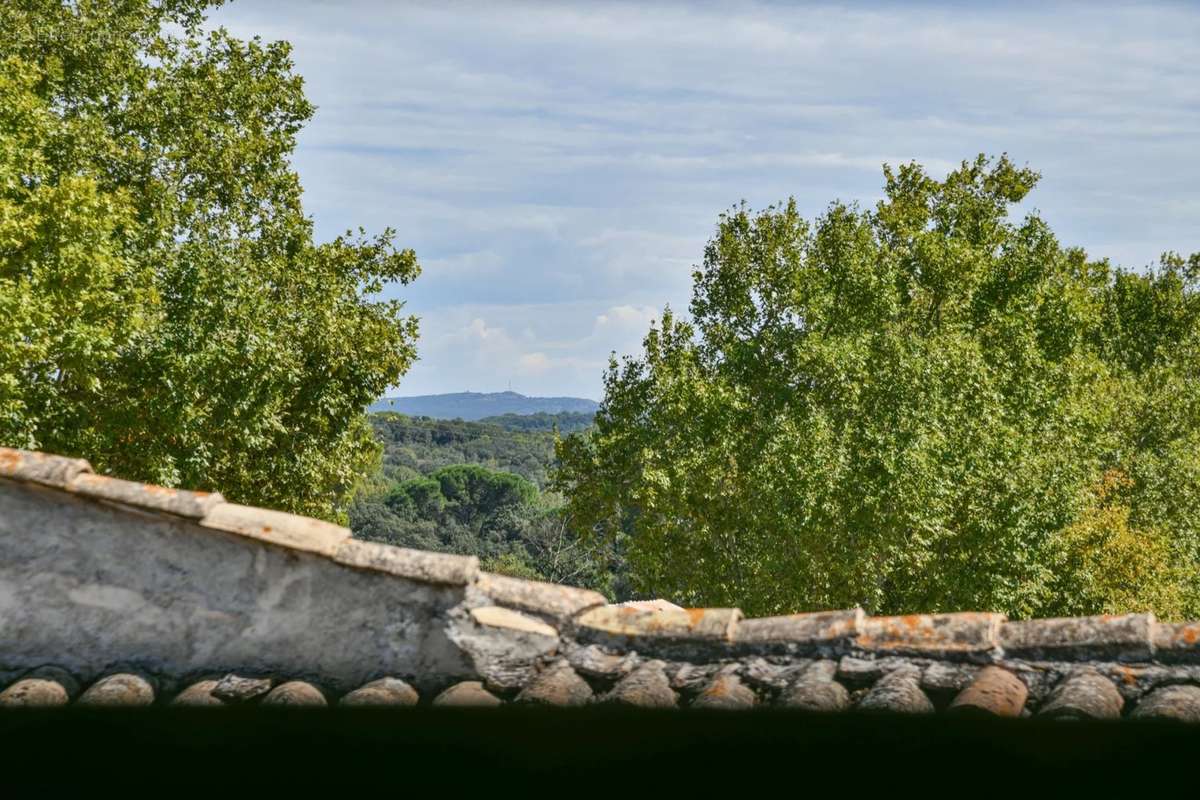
{"x":472,"y":406}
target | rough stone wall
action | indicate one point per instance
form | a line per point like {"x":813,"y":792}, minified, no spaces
{"x":94,"y":587}
{"x":112,"y":591}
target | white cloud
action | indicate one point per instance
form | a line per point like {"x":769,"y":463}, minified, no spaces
{"x":533,"y":364}
{"x":626,"y":318}
{"x":539,"y":364}
{"x":539,"y":348}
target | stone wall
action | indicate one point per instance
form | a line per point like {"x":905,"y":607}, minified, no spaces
{"x":112,"y":591}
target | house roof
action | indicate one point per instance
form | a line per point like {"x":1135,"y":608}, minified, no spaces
{"x":452,"y":634}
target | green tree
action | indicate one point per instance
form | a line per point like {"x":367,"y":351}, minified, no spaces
{"x":908,"y":408}
{"x":422,"y":445}
{"x":164,"y":308}
{"x":472,"y":491}
{"x":500,"y":517}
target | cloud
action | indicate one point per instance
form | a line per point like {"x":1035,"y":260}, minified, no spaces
{"x":539,"y":364}
{"x":624,"y":319}
{"x":553,"y":162}
{"x":479,"y":334}
{"x":553,"y":348}
{"x":534,"y":364}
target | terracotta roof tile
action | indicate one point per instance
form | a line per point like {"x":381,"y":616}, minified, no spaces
{"x":204,"y":602}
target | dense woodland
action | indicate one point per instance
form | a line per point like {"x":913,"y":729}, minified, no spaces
{"x":414,"y":446}
{"x":476,"y":488}
{"x":564,"y":422}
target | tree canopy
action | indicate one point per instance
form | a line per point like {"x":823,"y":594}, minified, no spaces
{"x":164,"y":308}
{"x":473,"y":488}
{"x":563,"y":422}
{"x":418,"y":445}
{"x":928,"y":405}
{"x":500,"y":517}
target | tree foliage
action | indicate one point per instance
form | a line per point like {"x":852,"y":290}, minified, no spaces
{"x":164,"y":308}
{"x":928,"y":405}
{"x":563,"y":421}
{"x":501,"y":518}
{"x":474,"y":488}
{"x":418,"y":445}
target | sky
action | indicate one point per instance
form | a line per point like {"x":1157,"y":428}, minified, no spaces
{"x":558,"y":167}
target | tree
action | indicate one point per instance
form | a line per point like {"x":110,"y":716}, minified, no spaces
{"x":473,"y":492}
{"x":908,"y":408}
{"x":498,"y":516}
{"x":164,"y":308}
{"x":421,"y":445}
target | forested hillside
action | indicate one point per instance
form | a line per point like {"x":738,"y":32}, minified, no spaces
{"x":414,"y":446}
{"x":476,"y":489}
{"x":564,"y":422}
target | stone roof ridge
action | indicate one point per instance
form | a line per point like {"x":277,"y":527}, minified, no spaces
{"x":292,"y":531}
{"x":654,"y":628}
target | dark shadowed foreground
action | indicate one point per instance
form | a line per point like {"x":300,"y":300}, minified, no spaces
{"x":617,"y":753}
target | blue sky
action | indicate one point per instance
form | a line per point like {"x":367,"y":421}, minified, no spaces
{"x":559,"y":167}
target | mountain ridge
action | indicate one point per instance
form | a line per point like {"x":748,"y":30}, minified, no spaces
{"x":472,"y":406}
